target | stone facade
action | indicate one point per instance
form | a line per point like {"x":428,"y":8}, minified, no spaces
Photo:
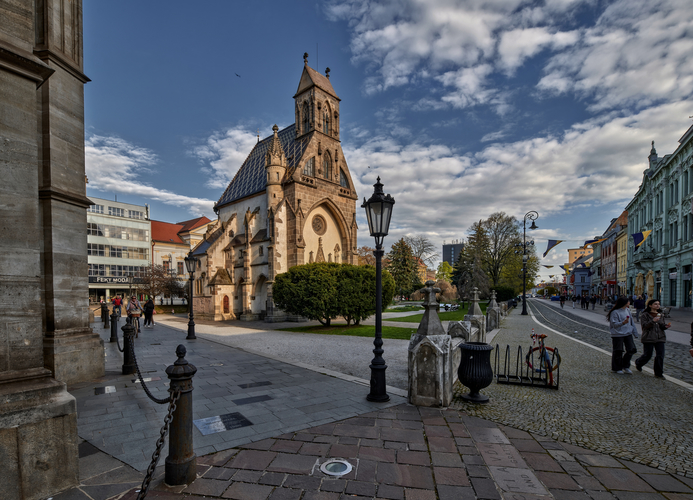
{"x":291,"y":202}
{"x":663,"y":265}
{"x":45,"y":339}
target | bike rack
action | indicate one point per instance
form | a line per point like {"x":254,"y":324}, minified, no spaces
{"x":524,"y":375}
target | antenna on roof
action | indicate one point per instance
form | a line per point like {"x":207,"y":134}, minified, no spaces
{"x":258,"y":135}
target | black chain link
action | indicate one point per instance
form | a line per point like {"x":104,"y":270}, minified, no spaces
{"x":139,"y":374}
{"x":159,"y":444}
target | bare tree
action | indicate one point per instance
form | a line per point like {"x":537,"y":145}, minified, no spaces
{"x":365,"y":256}
{"x":423,"y":249}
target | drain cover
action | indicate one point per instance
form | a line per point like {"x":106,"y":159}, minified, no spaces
{"x":336,"y":467}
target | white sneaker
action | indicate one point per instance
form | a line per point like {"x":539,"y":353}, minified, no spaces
{"x":627,"y":370}
{"x":620,"y":372}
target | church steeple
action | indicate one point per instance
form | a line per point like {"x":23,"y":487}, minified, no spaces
{"x":317,"y":104}
{"x":653,"y":156}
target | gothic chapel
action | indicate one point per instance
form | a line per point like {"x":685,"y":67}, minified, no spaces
{"x":292,"y":202}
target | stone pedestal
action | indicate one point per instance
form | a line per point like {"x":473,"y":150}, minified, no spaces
{"x":476,"y":318}
{"x":431,"y":369}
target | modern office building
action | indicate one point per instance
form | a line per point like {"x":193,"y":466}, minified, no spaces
{"x":118,"y":246}
{"x":451,"y":252}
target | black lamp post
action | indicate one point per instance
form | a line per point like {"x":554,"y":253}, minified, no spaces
{"x":190,"y":265}
{"x":378,"y":213}
{"x":531,"y":215}
{"x":131,"y":279}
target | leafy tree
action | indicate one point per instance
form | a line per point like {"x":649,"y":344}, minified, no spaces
{"x":470,"y":271}
{"x":365,"y":255}
{"x":309,"y":290}
{"x":444,"y":272}
{"x":511,"y":274}
{"x":156,"y":280}
{"x":502,"y":235}
{"x":402,"y":265}
{"x":422,"y":248}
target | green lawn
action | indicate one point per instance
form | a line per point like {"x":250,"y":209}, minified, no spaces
{"x":389,"y":332}
{"x":404,"y":308}
{"x":444,"y":316}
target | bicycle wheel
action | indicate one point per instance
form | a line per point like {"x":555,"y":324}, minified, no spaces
{"x":544,"y":364}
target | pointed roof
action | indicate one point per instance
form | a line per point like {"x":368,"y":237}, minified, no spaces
{"x":191,"y":224}
{"x":251,"y":177}
{"x":310,"y":78}
{"x":165,"y":232}
{"x":275,"y":148}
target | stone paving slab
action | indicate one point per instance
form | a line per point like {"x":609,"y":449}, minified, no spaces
{"x":273,"y":396}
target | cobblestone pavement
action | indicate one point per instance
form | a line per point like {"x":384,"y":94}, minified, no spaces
{"x":677,"y":360}
{"x":634,"y":417}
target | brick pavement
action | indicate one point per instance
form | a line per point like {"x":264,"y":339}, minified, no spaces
{"x":396,"y":452}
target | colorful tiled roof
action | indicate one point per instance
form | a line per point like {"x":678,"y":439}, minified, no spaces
{"x":251,"y":177}
{"x":191,"y":224}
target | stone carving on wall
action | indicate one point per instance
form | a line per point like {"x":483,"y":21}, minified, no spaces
{"x":658,"y":223}
{"x":319,"y":225}
{"x":673,"y":215}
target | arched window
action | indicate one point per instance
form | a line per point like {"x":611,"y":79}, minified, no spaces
{"x":327,"y":166}
{"x":309,"y":168}
{"x":343,"y":181}
{"x":306,"y":118}
{"x":326,"y":121}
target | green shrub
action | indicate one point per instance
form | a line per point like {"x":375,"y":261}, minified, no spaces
{"x":322,"y":291}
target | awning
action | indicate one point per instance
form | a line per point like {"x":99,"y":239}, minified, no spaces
{"x":611,"y":282}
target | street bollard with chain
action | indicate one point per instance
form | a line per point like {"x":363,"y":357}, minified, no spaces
{"x":114,"y":326}
{"x":104,"y":314}
{"x":181,"y":463}
{"x":128,"y":339}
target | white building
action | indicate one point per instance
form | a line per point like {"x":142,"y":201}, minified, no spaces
{"x":118,"y":246}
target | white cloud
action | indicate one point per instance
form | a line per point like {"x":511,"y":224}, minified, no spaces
{"x":225,"y":152}
{"x":638,"y":54}
{"x":591,"y":167}
{"x":114,"y":165}
{"x":517,"y":45}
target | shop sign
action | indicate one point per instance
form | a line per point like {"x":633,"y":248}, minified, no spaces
{"x":111,"y":280}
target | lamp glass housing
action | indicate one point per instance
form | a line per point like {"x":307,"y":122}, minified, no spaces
{"x":190,"y":263}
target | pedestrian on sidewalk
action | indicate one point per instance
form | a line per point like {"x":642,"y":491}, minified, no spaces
{"x":593,"y":301}
{"x":639,"y":305}
{"x":653,"y":337}
{"x":574,"y":301}
{"x":148,"y":313}
{"x":623,"y":331}
{"x":563,"y":302}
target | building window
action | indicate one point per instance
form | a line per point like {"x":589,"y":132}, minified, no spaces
{"x":96,"y":209}
{"x":96,"y":250}
{"x":326,"y":121}
{"x":306,"y":119}
{"x":118,"y":212}
{"x":343,"y":181}
{"x":676,"y":191}
{"x":327,"y":166}
{"x":685,"y":183}
{"x":261,"y":251}
{"x":133,"y":214}
{"x":181,"y":271}
{"x":309,"y":168}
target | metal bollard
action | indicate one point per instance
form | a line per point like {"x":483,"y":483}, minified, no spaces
{"x":181,"y":463}
{"x":104,"y":315}
{"x":114,"y":326}
{"x":128,"y":361}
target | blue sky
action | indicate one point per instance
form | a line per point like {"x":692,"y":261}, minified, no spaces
{"x":463,"y":108}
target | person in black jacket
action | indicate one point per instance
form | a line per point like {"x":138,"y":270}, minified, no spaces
{"x":653,"y":337}
{"x":148,"y":313}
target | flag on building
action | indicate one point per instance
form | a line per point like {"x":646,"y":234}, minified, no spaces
{"x":547,"y":267}
{"x":639,"y":238}
{"x":552,"y":243}
{"x":592,"y":242}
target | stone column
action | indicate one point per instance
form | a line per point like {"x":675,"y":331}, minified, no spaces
{"x":42,"y":214}
{"x":71,"y":350}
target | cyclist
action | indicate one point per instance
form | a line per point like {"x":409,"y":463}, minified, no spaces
{"x":134,"y":311}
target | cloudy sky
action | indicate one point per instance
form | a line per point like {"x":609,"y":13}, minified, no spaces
{"x":463,"y":108}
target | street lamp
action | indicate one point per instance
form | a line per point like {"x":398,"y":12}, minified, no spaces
{"x":190,"y":265}
{"x":131,"y":279}
{"x":531,"y":215}
{"x":378,"y":213}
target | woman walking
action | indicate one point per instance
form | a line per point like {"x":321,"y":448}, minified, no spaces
{"x":148,"y":313}
{"x":653,"y":337}
{"x":623,"y":331}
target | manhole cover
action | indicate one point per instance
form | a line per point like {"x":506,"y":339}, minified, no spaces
{"x":336,"y":467}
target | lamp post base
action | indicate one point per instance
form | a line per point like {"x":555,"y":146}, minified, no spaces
{"x":378,"y":392}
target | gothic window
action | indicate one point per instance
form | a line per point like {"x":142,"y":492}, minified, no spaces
{"x":343,"y":181}
{"x":327,"y":166}
{"x":261,"y":251}
{"x":306,"y":119}
{"x":326,"y":121}
{"x":309,"y":168}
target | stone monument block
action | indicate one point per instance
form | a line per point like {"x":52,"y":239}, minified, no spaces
{"x":493,"y":317}
{"x":431,"y":373}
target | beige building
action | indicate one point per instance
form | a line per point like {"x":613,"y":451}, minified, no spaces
{"x":576,"y":253}
{"x":291,"y":202}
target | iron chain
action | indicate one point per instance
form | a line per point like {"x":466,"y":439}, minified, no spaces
{"x":139,"y":374}
{"x":159,"y":444}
